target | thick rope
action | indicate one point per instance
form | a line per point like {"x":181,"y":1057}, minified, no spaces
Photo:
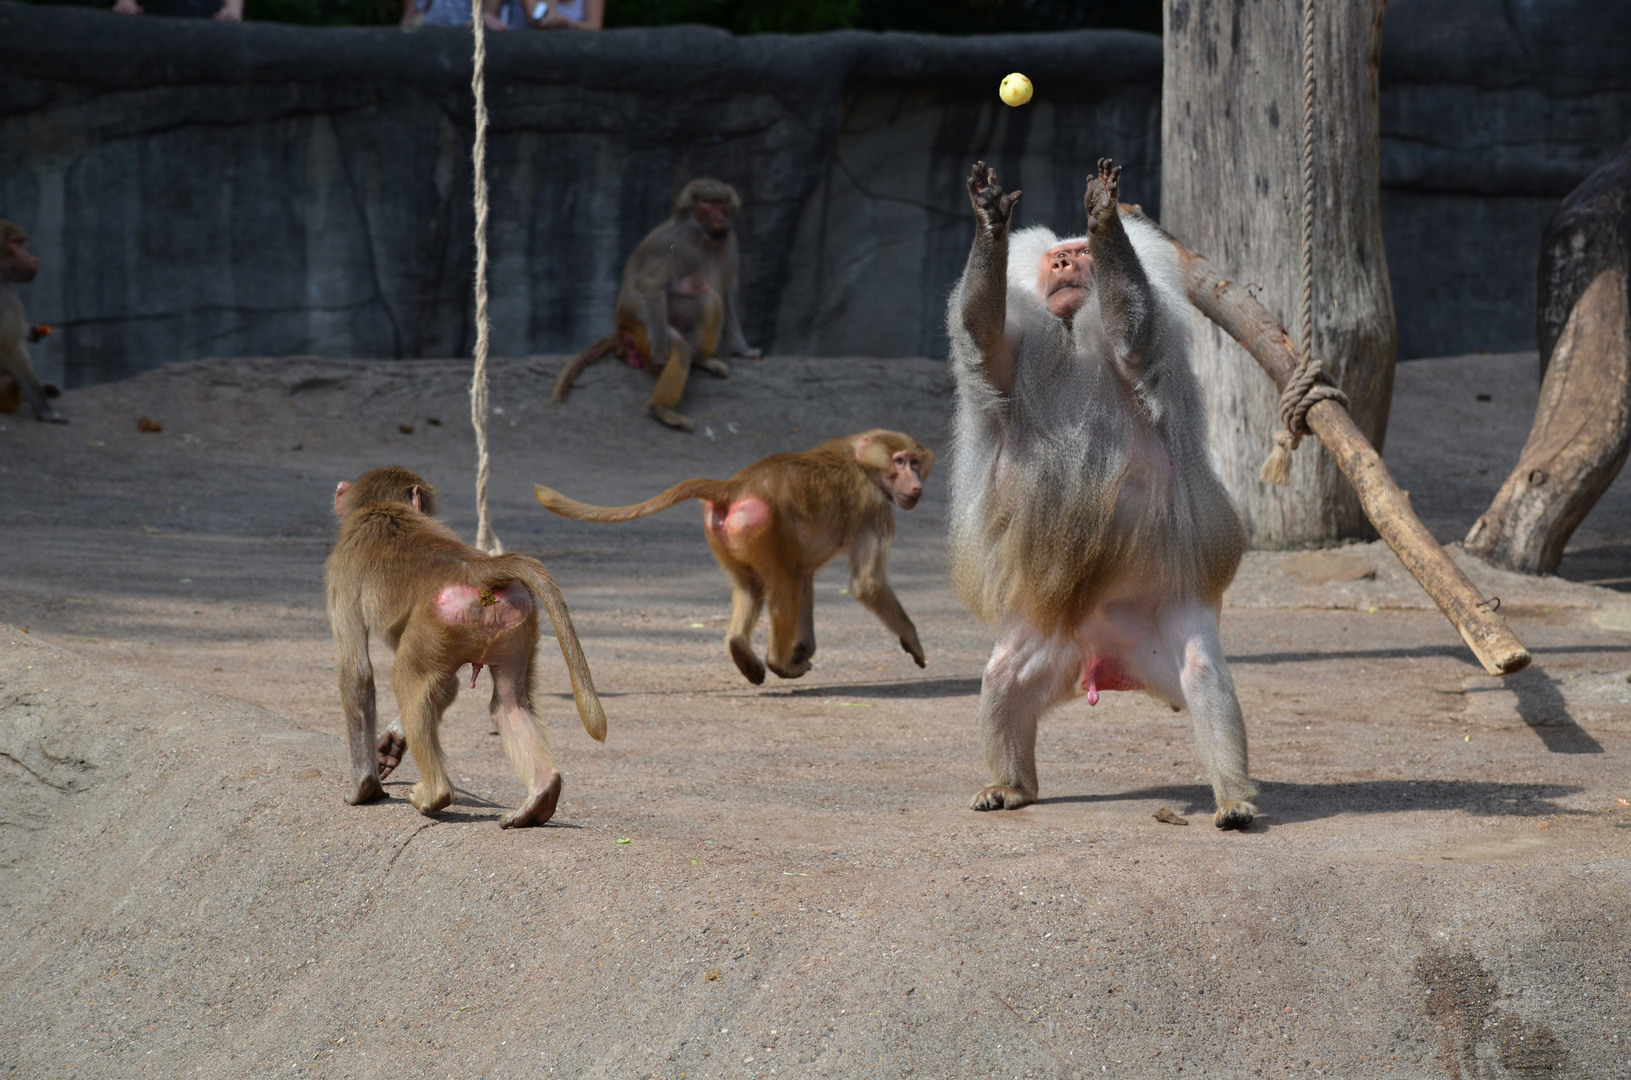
{"x":485,"y":540}
{"x":1309,"y":385}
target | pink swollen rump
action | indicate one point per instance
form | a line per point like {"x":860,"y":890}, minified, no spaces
{"x":624,"y":346}
{"x":743,"y":517}
{"x":494,"y":609}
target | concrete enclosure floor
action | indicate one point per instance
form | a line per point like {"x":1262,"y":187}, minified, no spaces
{"x":780,"y":881}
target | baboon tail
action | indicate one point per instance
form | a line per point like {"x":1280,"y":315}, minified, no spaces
{"x":712,"y":490}
{"x":531,"y":573}
{"x":563,"y":384}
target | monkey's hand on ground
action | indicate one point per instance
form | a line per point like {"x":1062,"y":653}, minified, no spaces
{"x":1103,"y":195}
{"x":992,"y":208}
{"x":391,"y":748}
{"x":914,"y":648}
{"x":714,"y":366}
{"x":748,"y":352}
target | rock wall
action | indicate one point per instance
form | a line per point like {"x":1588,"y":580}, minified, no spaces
{"x":200,"y":189}
{"x":1492,"y":111}
{"x":204,"y":189}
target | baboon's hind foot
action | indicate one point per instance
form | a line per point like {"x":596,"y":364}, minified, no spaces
{"x":539,"y":807}
{"x":1000,"y":797}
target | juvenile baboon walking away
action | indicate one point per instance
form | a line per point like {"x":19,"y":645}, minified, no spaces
{"x":1087,"y":522}
{"x":778,"y":521}
{"x":440,"y":604}
{"x":677,"y":306}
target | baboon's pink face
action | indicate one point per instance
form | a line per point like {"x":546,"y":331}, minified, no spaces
{"x":17,"y":263}
{"x":1065,"y":277}
{"x":904,"y":481}
{"x":714,"y":215}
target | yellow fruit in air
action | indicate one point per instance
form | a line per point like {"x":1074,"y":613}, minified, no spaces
{"x":1016,"y":89}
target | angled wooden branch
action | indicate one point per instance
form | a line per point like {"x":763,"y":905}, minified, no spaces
{"x":1244,"y":319}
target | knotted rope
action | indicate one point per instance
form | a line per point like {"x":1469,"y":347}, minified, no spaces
{"x":1310,"y":384}
{"x":485,"y":540}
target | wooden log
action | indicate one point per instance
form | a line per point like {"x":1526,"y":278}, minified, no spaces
{"x":1231,"y":185}
{"x":1582,"y":428}
{"x":1233,"y":308}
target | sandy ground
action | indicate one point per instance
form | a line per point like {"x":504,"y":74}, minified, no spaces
{"x":1438,"y":886}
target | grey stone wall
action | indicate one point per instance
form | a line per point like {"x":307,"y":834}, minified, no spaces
{"x":198,"y":189}
{"x":202,"y":189}
{"x":1492,"y":111}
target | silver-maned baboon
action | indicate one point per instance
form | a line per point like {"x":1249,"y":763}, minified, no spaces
{"x":1087,"y":522}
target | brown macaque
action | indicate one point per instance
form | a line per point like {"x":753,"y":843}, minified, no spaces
{"x":440,"y":604}
{"x":1087,"y":521}
{"x":17,"y":380}
{"x":678,"y":301}
{"x":778,"y":521}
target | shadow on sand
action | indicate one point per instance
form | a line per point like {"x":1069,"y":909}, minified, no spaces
{"x":1289,"y":803}
{"x":1541,"y":705}
{"x":906,"y":688}
{"x":1452,"y":652}
{"x":455,"y":816}
{"x":1540,"y":702}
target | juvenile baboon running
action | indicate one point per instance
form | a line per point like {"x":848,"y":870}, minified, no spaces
{"x":1087,"y":522}
{"x":440,"y":604}
{"x":778,"y":521}
{"x":677,"y":306}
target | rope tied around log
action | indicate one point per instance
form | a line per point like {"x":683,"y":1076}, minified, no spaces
{"x":1307,"y":388}
{"x":1310,"y":384}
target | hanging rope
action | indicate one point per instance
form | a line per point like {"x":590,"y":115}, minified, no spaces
{"x":485,"y":540}
{"x":1310,"y":384}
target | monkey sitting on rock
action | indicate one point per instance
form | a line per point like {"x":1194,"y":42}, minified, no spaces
{"x":17,"y":380}
{"x":677,"y":307}
{"x":1087,"y":523}
{"x":778,"y":521}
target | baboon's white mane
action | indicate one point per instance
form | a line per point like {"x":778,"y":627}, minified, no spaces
{"x":1025,"y":250}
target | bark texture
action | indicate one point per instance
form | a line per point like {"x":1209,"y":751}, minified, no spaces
{"x":1582,"y":428}
{"x":1231,"y":186}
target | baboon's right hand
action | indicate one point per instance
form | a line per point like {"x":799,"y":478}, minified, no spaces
{"x":992,"y":208}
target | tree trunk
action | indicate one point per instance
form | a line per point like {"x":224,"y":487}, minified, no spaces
{"x":1231,"y":186}
{"x":1582,"y":428}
